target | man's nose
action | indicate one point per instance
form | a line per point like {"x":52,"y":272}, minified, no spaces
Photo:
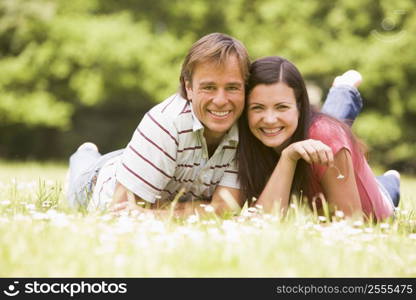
{"x":220,"y":98}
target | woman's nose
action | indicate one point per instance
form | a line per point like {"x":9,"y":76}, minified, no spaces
{"x":269,"y":117}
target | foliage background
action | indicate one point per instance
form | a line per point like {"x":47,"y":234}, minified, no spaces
{"x":72,"y":71}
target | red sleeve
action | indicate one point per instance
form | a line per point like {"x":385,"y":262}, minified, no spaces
{"x":332,"y":134}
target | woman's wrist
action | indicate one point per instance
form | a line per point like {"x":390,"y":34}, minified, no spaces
{"x":289,"y":155}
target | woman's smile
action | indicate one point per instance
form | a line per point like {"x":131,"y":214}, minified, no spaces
{"x":272,"y":113}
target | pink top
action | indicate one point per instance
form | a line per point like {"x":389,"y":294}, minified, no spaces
{"x":332,"y":134}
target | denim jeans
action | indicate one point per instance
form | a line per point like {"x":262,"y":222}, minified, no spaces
{"x":344,"y":102}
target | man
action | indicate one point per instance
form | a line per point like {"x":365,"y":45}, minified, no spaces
{"x":183,"y":146}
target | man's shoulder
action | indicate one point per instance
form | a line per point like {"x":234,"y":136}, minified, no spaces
{"x":172,"y":107}
{"x":175,"y":112}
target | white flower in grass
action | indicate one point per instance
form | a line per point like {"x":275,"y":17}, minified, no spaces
{"x":33,"y":184}
{"x":209,"y":209}
{"x":367,"y":237}
{"x":358,"y":223}
{"x":119,"y":260}
{"x":412,"y":236}
{"x":271,"y":218}
{"x":4,"y":220}
{"x":192,"y":219}
{"x":209,"y":222}
{"x":52,"y":213}
{"x":258,"y":222}
{"x":318,"y":227}
{"x":368,"y":230}
{"x":39,"y":216}
{"x":135,"y":213}
{"x":353,"y":231}
{"x":157,"y":227}
{"x":252,"y":210}
{"x":5,"y":202}
{"x":20,"y":217}
{"x":214,"y":233}
{"x":31,"y":206}
{"x":322,"y":219}
{"x":402,"y":212}
{"x":384,"y":226}
{"x":339,"y":214}
{"x":60,"y":220}
{"x":123,"y":225}
{"x":328,"y":242}
{"x":106,"y":217}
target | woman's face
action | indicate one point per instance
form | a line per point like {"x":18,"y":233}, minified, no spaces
{"x":273,"y":114}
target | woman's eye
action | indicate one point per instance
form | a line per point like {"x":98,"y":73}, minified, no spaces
{"x":282,"y":107}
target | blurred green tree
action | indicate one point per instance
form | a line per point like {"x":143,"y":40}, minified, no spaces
{"x":77,"y":70}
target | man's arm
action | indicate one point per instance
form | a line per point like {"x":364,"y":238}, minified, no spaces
{"x":224,"y":200}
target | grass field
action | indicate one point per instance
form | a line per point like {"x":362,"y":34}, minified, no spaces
{"x":40,"y":237}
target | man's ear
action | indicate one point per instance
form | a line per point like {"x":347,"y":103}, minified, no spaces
{"x":188,"y":88}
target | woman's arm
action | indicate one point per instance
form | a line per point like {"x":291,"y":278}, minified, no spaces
{"x":342,"y":193}
{"x":276,"y":193}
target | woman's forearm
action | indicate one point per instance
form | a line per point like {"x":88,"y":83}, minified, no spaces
{"x":276,"y":193}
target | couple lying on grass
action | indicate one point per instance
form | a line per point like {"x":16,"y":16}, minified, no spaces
{"x":195,"y":148}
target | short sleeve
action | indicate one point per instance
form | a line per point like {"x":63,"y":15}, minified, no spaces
{"x":149,"y":160}
{"x":331,"y":133}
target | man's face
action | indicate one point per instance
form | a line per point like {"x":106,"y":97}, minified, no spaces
{"x":217,"y":96}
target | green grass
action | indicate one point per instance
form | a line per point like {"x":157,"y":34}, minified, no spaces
{"x":40,"y":237}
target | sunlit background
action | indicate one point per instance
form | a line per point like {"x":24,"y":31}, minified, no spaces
{"x":78,"y":70}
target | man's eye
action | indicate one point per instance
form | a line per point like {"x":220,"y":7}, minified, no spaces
{"x":208,"y":88}
{"x":233,"y":88}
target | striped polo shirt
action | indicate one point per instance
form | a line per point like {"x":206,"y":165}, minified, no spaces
{"x":168,"y":152}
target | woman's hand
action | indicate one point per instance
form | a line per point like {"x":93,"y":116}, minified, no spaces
{"x":312,"y":151}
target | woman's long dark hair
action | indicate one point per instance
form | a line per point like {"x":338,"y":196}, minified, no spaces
{"x":256,"y":161}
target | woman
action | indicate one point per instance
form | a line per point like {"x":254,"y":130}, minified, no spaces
{"x":286,"y":148}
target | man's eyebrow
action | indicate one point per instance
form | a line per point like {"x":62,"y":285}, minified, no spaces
{"x":235,"y":83}
{"x":207,"y":83}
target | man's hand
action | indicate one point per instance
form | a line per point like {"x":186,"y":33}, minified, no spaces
{"x":127,"y":206}
{"x":124,"y":200}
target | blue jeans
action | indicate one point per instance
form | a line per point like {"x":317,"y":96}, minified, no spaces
{"x":345,"y":103}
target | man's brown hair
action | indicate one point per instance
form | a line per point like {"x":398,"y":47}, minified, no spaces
{"x":214,"y":47}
